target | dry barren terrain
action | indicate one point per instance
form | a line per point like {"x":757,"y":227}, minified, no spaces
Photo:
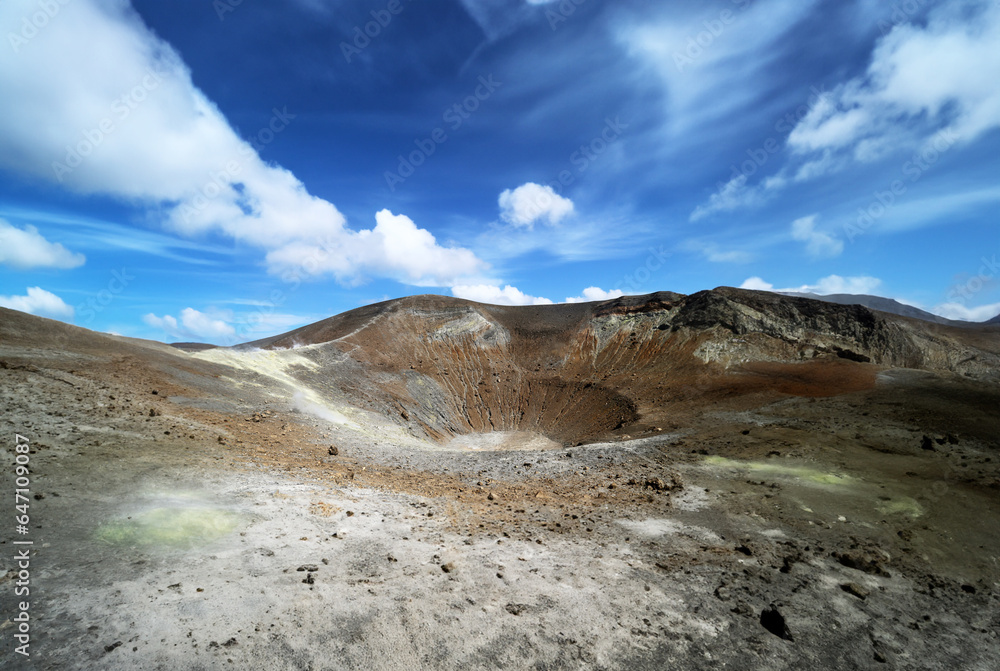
{"x":730,"y":479}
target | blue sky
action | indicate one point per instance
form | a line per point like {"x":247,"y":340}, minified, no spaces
{"x":224,"y":171}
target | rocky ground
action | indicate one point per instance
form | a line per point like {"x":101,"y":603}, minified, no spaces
{"x":227,"y":510}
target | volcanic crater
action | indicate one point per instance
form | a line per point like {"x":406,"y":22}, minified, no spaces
{"x":579,"y":373}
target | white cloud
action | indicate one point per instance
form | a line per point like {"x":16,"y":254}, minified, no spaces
{"x":532,"y":202}
{"x":756,"y":284}
{"x":492,"y":294}
{"x":39,"y":302}
{"x":817,"y":242}
{"x":832,"y":284}
{"x":591,"y":294}
{"x":194,"y":324}
{"x":959,"y":311}
{"x":395,"y":248}
{"x":732,"y":195}
{"x":227,"y":327}
{"x":166,"y":322}
{"x":921,"y":81}
{"x":26,"y":248}
{"x":126,"y":120}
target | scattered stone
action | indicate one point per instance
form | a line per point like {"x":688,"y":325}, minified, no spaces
{"x":952,"y":439}
{"x":392,"y":559}
{"x":855,"y":589}
{"x":39,"y":496}
{"x":772,"y":620}
{"x":968,"y":589}
{"x":308,"y":567}
{"x":927,"y":444}
{"x":516,"y":608}
{"x":658,"y":484}
{"x":153,"y":412}
{"x":333,"y":451}
{"x":449,"y":567}
{"x":350,"y":513}
{"x":743,"y":549}
{"x":309,"y":579}
{"x":787,"y":561}
{"x":109,"y":648}
{"x":861,"y":562}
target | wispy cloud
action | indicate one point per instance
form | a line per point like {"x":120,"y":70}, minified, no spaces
{"x":706,"y":61}
{"x":733,"y":195}
{"x":94,"y":234}
{"x":715,"y":253}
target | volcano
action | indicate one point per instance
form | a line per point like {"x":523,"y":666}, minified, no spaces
{"x":727,"y":478}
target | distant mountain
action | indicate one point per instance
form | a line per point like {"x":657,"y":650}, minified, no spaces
{"x":192,"y":346}
{"x":887,"y":305}
{"x":995,"y":320}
